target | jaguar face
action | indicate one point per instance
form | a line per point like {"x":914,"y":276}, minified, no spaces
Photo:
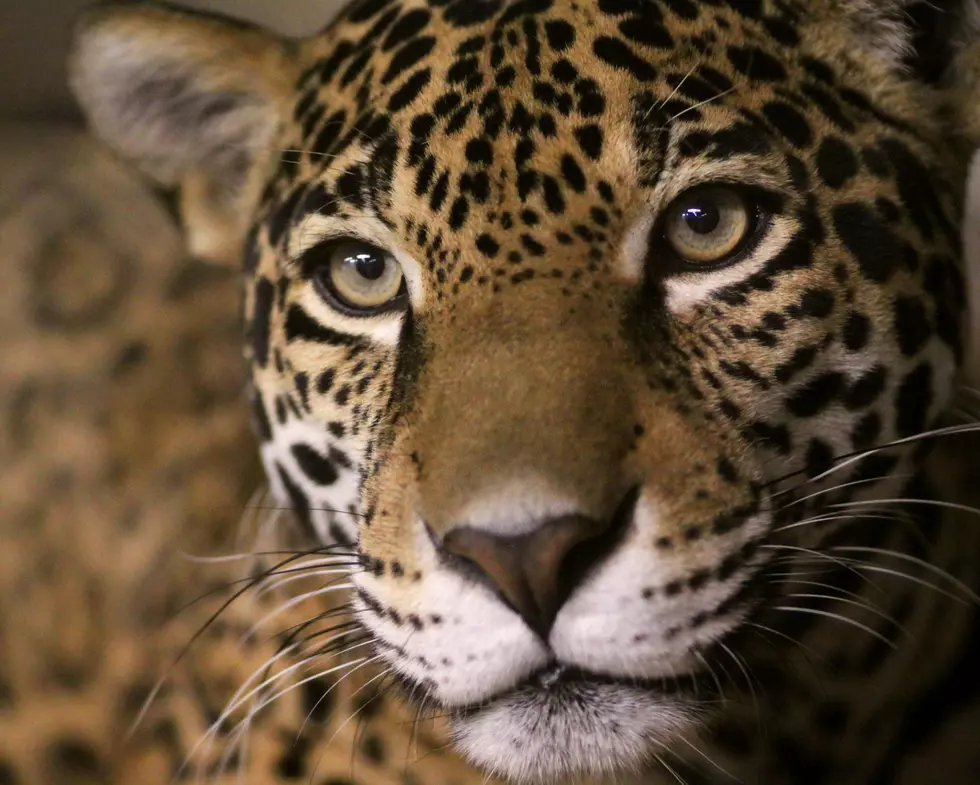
{"x":565,"y":315}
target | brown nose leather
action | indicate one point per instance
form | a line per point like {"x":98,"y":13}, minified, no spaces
{"x":526,"y":569}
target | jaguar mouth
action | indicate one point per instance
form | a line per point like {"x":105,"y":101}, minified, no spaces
{"x":565,"y":682}
{"x":563,"y":722}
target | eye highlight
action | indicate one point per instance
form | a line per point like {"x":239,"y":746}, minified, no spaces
{"x":359,"y":278}
{"x":708,"y":225}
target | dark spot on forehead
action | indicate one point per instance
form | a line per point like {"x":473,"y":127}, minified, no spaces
{"x":836,"y":162}
{"x":756,"y":64}
{"x":789,"y":122}
{"x":620,"y":56}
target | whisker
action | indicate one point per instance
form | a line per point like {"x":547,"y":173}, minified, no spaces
{"x":844,"y":563}
{"x":233,"y":557}
{"x":740,"y":664}
{"x":806,"y":649}
{"x":709,"y":759}
{"x":854,"y":603}
{"x":871,"y":567}
{"x":850,"y":458}
{"x":924,"y":502}
{"x":843,"y":619}
{"x":207,"y":739}
{"x":863,"y":481}
{"x":662,"y":104}
{"x":929,"y":567}
{"x":310,"y":573}
{"x":344,"y":724}
{"x":250,"y":581}
{"x":674,"y":774}
{"x":836,"y":517}
{"x":299,"y":733}
{"x":247,"y":691}
{"x":253,"y":710}
{"x":701,"y":103}
{"x":301,"y":151}
{"x":293,"y":630}
{"x":281,"y":508}
{"x":714,"y":676}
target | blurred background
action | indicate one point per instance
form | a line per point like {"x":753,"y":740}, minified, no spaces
{"x":34,"y":39}
{"x":124,"y":436}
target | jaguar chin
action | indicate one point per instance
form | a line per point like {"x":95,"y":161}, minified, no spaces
{"x":562,"y":724}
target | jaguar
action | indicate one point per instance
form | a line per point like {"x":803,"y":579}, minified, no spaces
{"x":612,"y":356}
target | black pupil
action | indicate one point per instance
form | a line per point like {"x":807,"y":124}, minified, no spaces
{"x":368,"y":265}
{"x":701,"y":218}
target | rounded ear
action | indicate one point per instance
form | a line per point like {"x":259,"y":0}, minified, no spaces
{"x":194,"y":100}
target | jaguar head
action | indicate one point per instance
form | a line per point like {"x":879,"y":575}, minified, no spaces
{"x":566,"y":315}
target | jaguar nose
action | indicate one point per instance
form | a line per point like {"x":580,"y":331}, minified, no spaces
{"x":528,"y":571}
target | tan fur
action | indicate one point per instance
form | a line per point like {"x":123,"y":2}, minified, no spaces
{"x":126,"y":59}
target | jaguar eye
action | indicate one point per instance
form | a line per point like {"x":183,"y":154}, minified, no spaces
{"x":359,"y":276}
{"x":708,"y":225}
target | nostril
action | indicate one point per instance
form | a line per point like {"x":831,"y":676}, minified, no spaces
{"x":585,"y":557}
{"x":536,"y":572}
{"x":525,"y":569}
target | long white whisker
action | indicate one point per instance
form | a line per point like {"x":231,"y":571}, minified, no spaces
{"x":938,"y":571}
{"x":310,"y":714}
{"x":708,"y":758}
{"x":210,"y":734}
{"x":714,"y":676}
{"x":292,"y":603}
{"x":821,"y":555}
{"x":946,"y":431}
{"x":299,"y":574}
{"x":240,"y":696}
{"x":843,"y":619}
{"x":864,"y":481}
{"x":673,"y":773}
{"x":871,"y":567}
{"x":854,"y":603}
{"x":680,"y":84}
{"x":835,"y":517}
{"x":924,"y":502}
{"x":344,"y":724}
{"x":701,"y":103}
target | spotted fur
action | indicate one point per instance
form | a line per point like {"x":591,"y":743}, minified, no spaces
{"x":729,"y":433}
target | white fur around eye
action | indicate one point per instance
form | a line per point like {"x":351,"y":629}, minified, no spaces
{"x":383,"y":329}
{"x":687,"y":290}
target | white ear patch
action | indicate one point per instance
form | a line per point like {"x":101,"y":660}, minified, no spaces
{"x":971,"y":260}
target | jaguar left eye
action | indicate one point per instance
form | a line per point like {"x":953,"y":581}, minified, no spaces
{"x":707,"y":226}
{"x":359,"y":277}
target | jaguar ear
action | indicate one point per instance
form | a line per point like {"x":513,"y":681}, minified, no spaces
{"x":920,"y":38}
{"x":195,"y":101}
